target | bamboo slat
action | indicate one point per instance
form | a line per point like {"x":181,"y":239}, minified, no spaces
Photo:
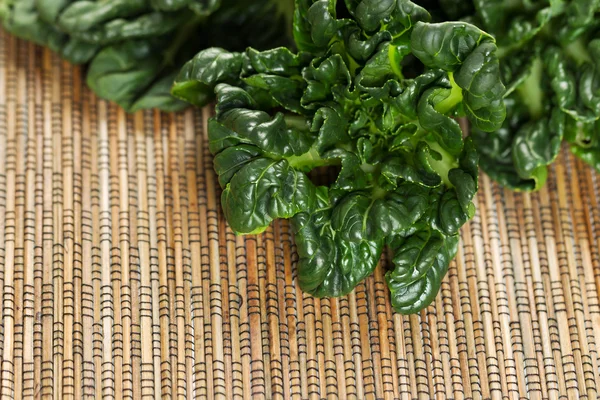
{"x":121,"y":280}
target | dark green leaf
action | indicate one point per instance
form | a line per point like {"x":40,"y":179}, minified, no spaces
{"x":132,"y":75}
{"x":421,"y":261}
{"x":371,"y":13}
{"x":198,"y":77}
{"x":84,"y":15}
{"x":263,"y":190}
{"x":328,"y":264}
{"x":366,"y":216}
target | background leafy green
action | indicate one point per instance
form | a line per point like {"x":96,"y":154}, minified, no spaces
{"x":550,"y":63}
{"x":134,"y":49}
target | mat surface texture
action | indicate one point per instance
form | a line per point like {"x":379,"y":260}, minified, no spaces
{"x":121,"y":279}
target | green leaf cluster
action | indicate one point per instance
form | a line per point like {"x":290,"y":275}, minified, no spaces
{"x":372,"y":94}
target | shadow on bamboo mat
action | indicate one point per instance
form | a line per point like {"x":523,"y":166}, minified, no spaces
{"x":121,"y":278}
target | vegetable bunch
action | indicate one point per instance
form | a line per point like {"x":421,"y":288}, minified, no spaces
{"x":371,"y":94}
{"x":550,"y":62}
{"x":135,"y":48}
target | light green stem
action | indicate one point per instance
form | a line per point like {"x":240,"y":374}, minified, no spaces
{"x":578,"y":51}
{"x":309,"y":160}
{"x":443,"y":166}
{"x":450,"y":102}
{"x":531,"y":90}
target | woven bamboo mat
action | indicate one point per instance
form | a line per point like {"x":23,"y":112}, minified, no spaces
{"x":121,"y":279}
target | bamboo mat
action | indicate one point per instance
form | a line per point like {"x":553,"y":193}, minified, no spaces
{"x":122,"y":280}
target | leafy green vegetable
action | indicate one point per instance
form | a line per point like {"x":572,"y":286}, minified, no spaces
{"x":131,"y":74}
{"x":21,"y":18}
{"x":135,"y":75}
{"x":135,"y":48}
{"x":550,"y":60}
{"x":373,"y":95}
